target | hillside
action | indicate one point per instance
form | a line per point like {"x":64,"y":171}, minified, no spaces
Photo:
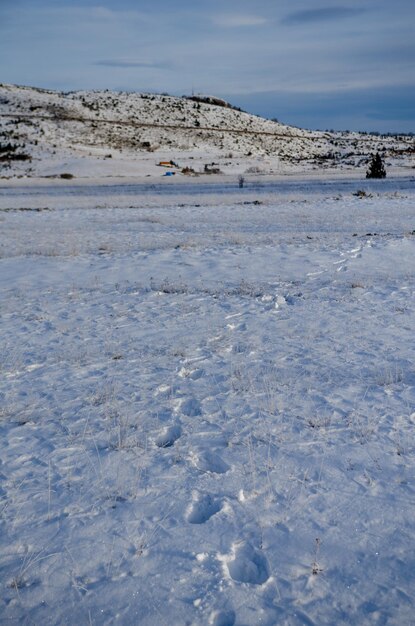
{"x":43,"y":131}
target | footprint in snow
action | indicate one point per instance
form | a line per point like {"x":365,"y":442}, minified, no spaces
{"x":202,"y":509}
{"x":168,"y":436}
{"x":247,"y":564}
{"x":189,"y":407}
{"x":166,"y":391}
{"x":207,"y":461}
{"x":222,"y":618}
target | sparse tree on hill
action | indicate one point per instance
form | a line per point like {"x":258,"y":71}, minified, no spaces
{"x":376,"y":167}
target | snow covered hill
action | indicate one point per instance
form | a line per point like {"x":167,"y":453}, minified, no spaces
{"x":43,"y":131}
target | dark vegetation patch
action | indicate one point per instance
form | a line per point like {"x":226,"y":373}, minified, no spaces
{"x":17,"y":209}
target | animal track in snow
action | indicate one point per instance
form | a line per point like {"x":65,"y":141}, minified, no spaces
{"x":246,"y":564}
{"x":189,"y":407}
{"x":168,"y":436}
{"x":207,"y":461}
{"x":202,"y":509}
{"x":222,"y":618}
{"x":164,"y":390}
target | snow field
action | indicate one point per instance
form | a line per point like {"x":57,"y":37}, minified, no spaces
{"x":207,"y":407}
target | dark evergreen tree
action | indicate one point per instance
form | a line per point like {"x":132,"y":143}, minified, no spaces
{"x":376,"y":167}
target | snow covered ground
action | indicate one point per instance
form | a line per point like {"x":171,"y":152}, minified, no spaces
{"x":207,"y":403}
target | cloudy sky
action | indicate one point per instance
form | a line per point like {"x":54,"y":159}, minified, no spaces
{"x":344,"y":64}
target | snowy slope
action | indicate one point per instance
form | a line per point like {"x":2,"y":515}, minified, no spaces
{"x":119,"y":133}
{"x":207,"y":404}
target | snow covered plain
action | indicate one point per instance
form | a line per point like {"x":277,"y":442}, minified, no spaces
{"x":207,"y":404}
